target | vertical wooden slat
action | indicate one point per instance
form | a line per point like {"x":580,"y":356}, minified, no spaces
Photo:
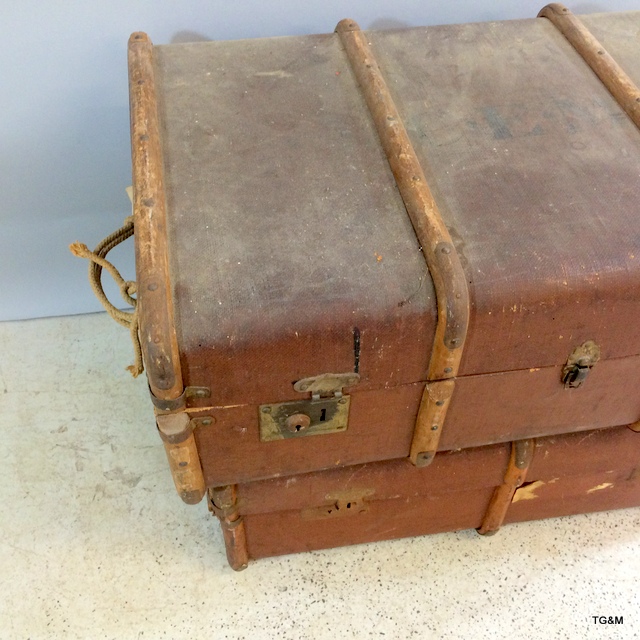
{"x":442,"y":259}
{"x":223,"y":503}
{"x":155,"y":304}
{"x":176,"y":431}
{"x":521,"y":456}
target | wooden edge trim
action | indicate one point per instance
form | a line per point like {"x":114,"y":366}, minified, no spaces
{"x":223,"y":503}
{"x":174,"y":428}
{"x":519,"y":462}
{"x":614,"y":78}
{"x":155,"y":304}
{"x":443,"y":262}
{"x":433,"y":409}
{"x":186,"y":469}
{"x":635,"y":426}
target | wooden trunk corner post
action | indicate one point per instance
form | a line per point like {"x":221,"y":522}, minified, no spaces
{"x":612,"y":75}
{"x":438,"y":249}
{"x":223,"y":503}
{"x":155,"y":304}
{"x":519,"y":462}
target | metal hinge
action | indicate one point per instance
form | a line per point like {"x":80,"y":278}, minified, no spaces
{"x":326,"y":411}
{"x":179,"y":403}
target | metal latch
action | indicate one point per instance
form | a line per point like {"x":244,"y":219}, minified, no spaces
{"x":579,"y":363}
{"x":326,"y":411}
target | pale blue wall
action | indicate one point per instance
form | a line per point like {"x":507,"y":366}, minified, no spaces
{"x":64,"y":121}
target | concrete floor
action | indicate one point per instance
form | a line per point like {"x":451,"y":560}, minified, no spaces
{"x":96,"y":544}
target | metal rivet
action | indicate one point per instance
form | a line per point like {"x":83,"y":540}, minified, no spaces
{"x":439,"y":403}
{"x":390,"y":118}
{"x":454,"y":340}
{"x":148,"y":202}
{"x":304,"y":387}
{"x":448,"y":370}
{"x":342,"y":401}
{"x":206,"y":421}
{"x":434,"y":427}
{"x":266,"y":409}
{"x":183,"y":464}
{"x":152,"y":287}
{"x":445,"y":250}
{"x":201,"y":393}
{"x":600,"y":52}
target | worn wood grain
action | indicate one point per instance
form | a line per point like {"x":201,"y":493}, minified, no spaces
{"x":155,"y":302}
{"x":186,"y":471}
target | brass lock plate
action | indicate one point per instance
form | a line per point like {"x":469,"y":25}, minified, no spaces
{"x":302,"y":418}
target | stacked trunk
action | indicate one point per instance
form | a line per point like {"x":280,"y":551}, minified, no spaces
{"x":390,"y":280}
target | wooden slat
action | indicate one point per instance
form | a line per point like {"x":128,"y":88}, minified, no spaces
{"x":155,"y":306}
{"x":613,"y":76}
{"x":442,"y":259}
{"x":521,"y":456}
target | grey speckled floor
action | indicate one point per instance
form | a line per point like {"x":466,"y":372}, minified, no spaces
{"x":94,"y":542}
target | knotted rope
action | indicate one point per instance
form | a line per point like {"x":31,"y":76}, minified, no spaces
{"x":98,"y":262}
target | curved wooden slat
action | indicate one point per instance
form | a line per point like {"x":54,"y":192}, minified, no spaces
{"x":442,"y":259}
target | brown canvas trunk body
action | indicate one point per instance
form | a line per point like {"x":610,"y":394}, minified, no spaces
{"x":359,"y":248}
{"x":576,"y":473}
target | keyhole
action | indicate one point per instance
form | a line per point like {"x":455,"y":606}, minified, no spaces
{"x":297,"y":422}
{"x":323,"y":415}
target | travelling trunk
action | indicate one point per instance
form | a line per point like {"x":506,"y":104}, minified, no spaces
{"x":376,"y":249}
{"x":477,"y":488}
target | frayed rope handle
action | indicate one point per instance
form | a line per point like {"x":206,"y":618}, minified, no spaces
{"x":97,"y":263}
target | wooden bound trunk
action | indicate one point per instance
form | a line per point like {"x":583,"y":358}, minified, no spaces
{"x":576,"y":473}
{"x":355,"y":248}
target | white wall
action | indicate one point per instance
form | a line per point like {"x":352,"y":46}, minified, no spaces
{"x":64,"y":120}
